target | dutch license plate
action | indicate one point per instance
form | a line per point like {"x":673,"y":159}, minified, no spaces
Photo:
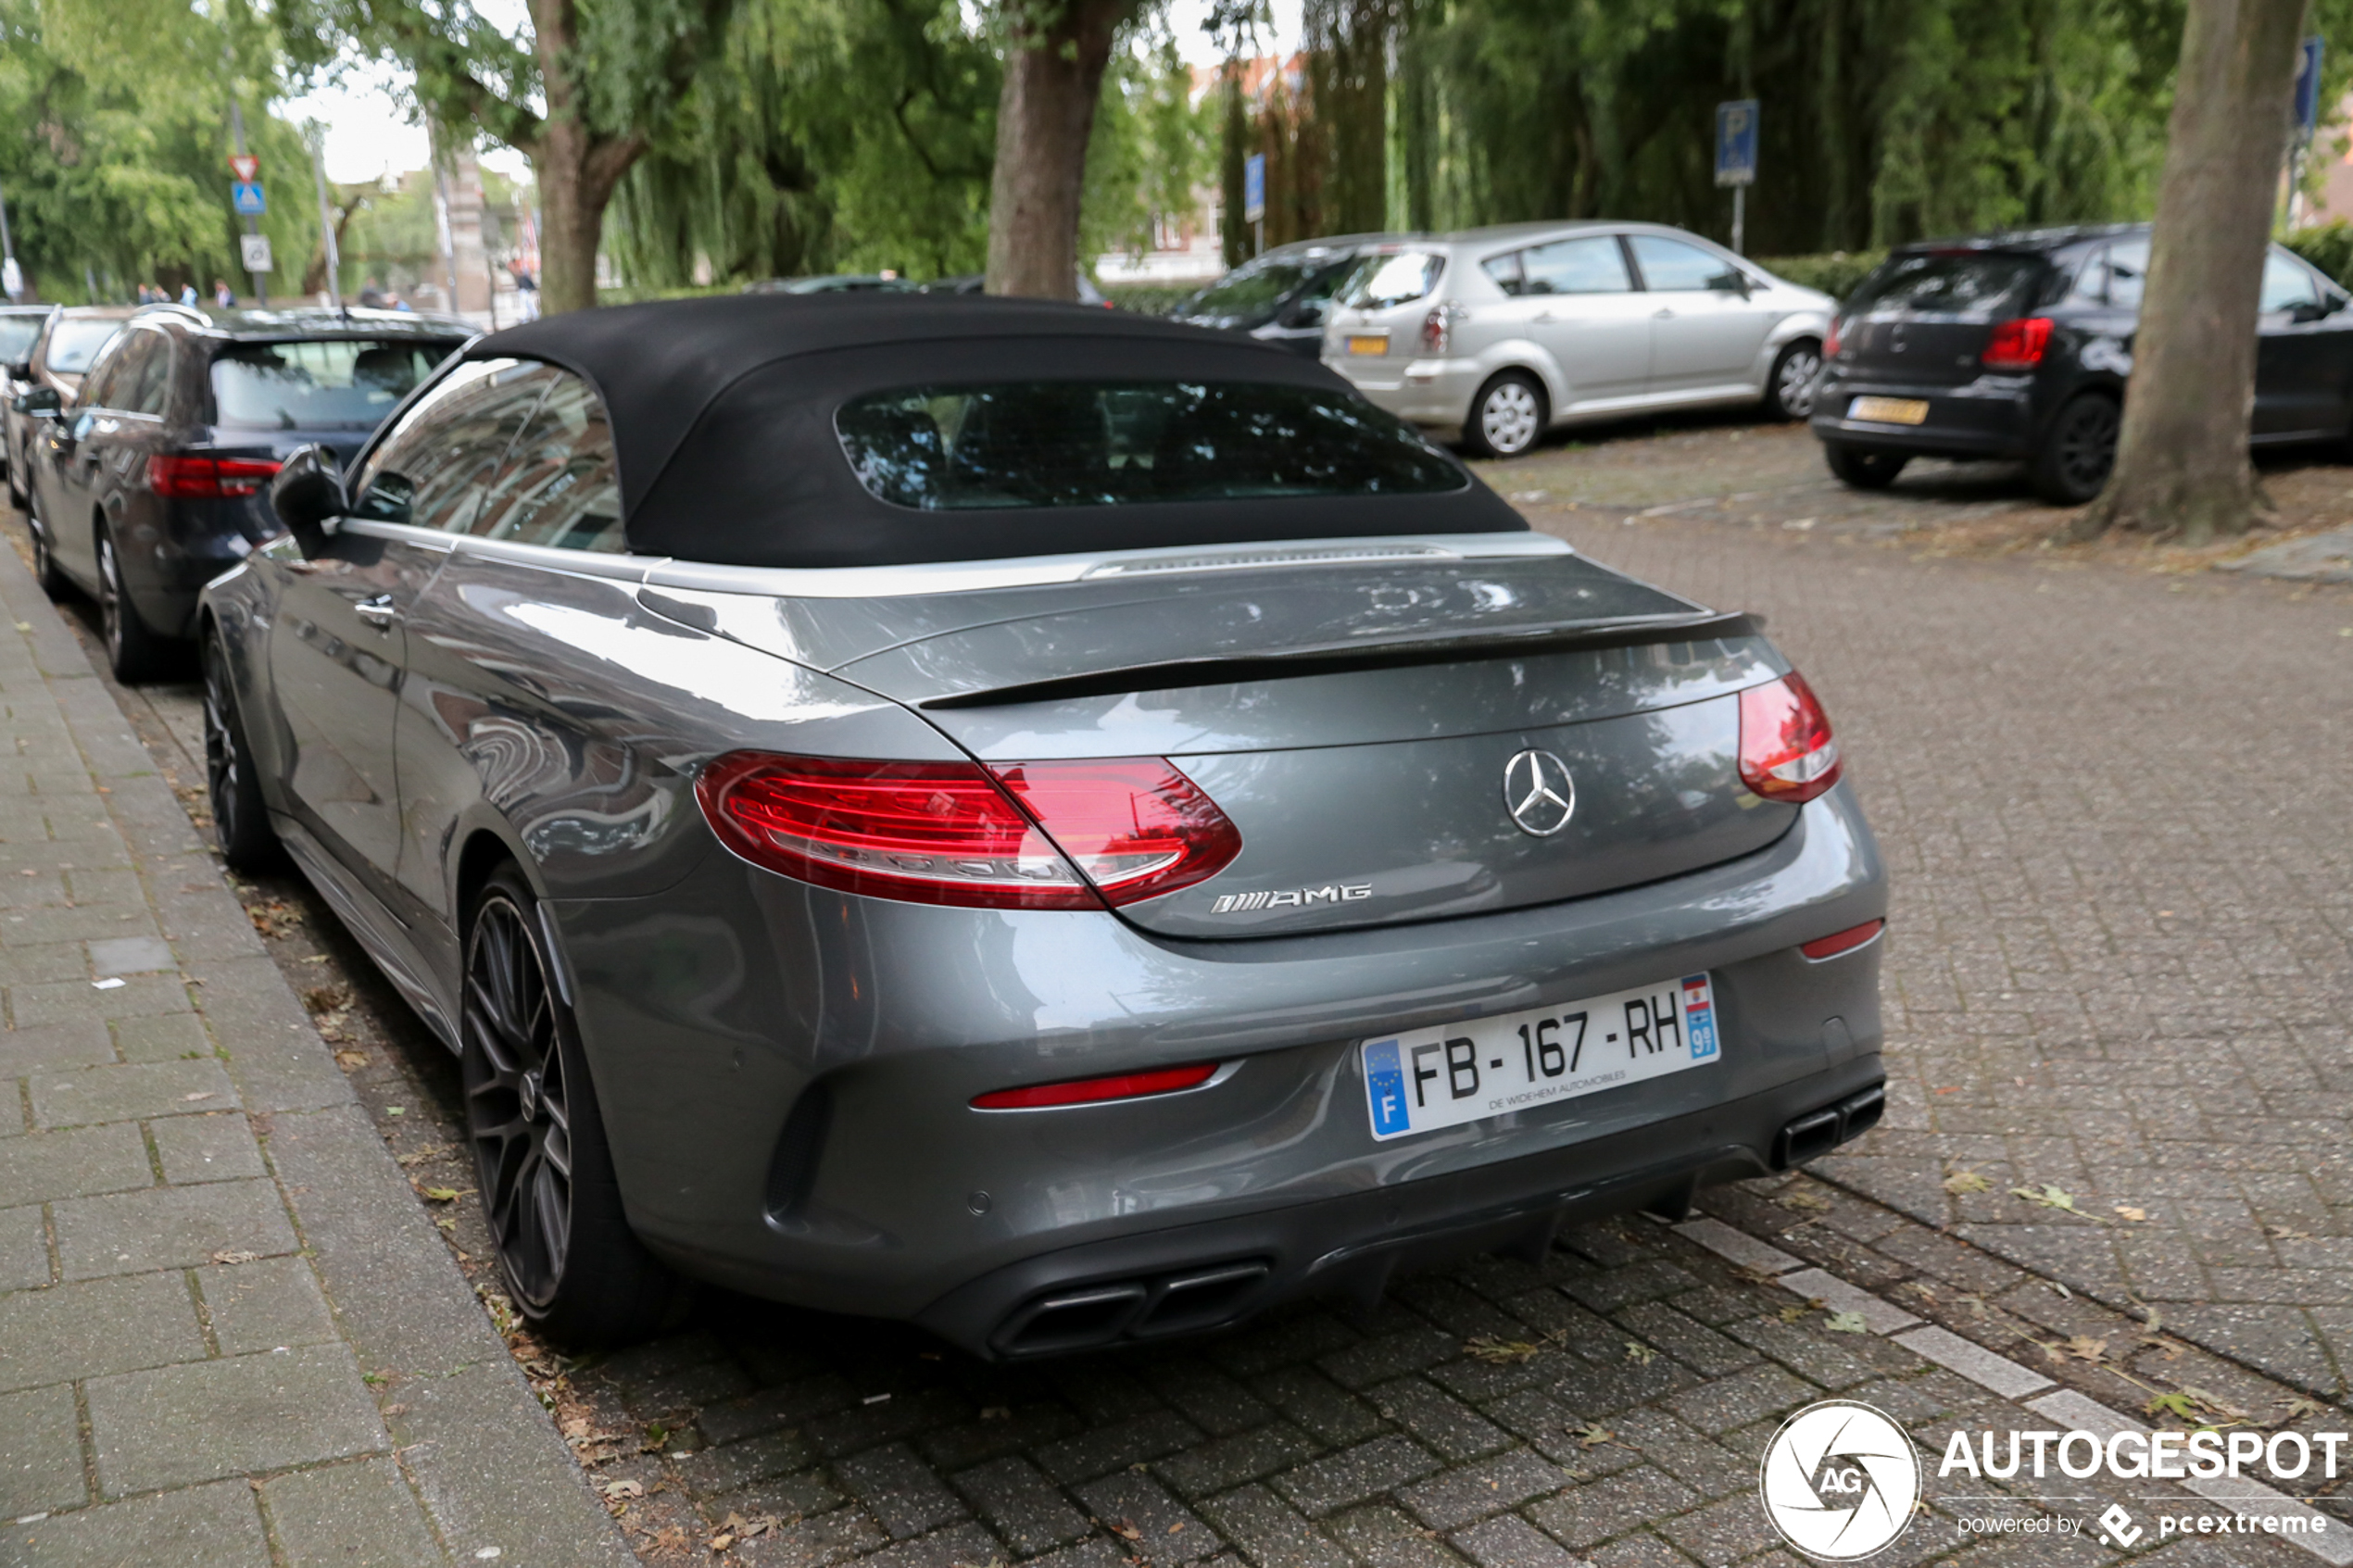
{"x":1368,"y":342}
{"x":1460,"y":1072}
{"x":1889,"y":410}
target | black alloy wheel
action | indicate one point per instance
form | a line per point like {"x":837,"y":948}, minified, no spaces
{"x":2079,"y":452}
{"x":240,"y":818}
{"x":1797,"y":372}
{"x":131,"y":650}
{"x":574,"y":1270}
{"x":45,"y":573}
{"x":1862,"y":469}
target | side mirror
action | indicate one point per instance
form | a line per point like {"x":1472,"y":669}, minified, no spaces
{"x":21,"y":370}
{"x":2307,"y":311}
{"x":1732,"y":281}
{"x":308,"y":497}
{"x":1305,"y":313}
{"x":42,"y":402}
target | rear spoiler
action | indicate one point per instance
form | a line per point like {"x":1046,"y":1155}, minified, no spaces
{"x":1329,"y":659}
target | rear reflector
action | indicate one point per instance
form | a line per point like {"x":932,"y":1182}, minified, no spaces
{"x":2017,"y":346}
{"x":1093,"y":1091}
{"x":183,"y":477}
{"x":1787,"y":750}
{"x":1844,"y":941}
{"x":1050,"y":835}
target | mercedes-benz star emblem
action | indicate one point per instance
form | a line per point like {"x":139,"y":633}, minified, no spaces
{"x":1539,"y":793}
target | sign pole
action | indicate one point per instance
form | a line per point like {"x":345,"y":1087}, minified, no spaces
{"x":2308,"y":115}
{"x":1739,"y":221}
{"x":253,"y":224}
{"x":11,"y":275}
{"x":1736,"y":161}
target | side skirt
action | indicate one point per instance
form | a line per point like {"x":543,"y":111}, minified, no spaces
{"x":373,"y":926}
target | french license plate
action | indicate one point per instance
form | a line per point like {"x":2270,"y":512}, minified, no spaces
{"x":1460,"y":1072}
{"x":1889,"y":410}
{"x":1368,"y":342}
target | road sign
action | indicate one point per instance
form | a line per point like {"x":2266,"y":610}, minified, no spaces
{"x":246,"y":166}
{"x":246,"y":196}
{"x":2308,"y":89}
{"x":1255,"y":187}
{"x":1736,"y":142}
{"x":256,"y":252}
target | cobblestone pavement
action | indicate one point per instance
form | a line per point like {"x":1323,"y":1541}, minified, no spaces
{"x":1606,"y":1406}
{"x":205,"y":1252}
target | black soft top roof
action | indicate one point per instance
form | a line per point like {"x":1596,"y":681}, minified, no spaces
{"x":723,"y":418}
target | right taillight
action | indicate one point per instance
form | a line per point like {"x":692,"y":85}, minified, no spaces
{"x":1829,"y":341}
{"x":1438,"y":331}
{"x":193,"y":477}
{"x":2017,"y":346}
{"x":1787,"y":750}
{"x":1053,"y":835}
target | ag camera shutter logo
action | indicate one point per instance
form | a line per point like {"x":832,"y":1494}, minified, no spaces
{"x":1838,"y":1481}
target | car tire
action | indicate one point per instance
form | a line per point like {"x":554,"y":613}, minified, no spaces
{"x":240,"y":817}
{"x":574,"y":1270}
{"x":45,"y":573}
{"x":1789,"y":390}
{"x":134,"y":650}
{"x":2078,"y":451}
{"x":1506,"y":417}
{"x":1863,"y":468}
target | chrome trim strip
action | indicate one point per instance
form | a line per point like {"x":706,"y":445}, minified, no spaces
{"x":964,"y":577}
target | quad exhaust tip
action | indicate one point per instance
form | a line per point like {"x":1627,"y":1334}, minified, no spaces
{"x":1815,"y":1134}
{"x":1087,"y":1316}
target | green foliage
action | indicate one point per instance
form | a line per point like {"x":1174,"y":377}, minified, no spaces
{"x":1835,"y":273}
{"x":830,"y":135}
{"x":1150,"y":150}
{"x":1148,"y":300}
{"x":2328,"y":246}
{"x":120,"y":175}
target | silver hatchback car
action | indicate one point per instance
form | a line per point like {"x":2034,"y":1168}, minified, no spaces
{"x":1495,"y":335}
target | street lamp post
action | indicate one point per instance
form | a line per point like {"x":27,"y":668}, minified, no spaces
{"x":11,"y":275}
{"x":327,"y":222}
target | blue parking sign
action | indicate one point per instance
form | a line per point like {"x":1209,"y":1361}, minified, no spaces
{"x":1736,"y":142}
{"x":244,"y":196}
{"x":1254,"y":188}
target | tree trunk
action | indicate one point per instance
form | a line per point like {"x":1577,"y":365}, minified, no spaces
{"x":2182,"y":463}
{"x":1054,"y":63}
{"x":576,"y":170}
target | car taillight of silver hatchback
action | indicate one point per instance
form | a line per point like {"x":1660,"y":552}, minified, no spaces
{"x":1038,"y":835}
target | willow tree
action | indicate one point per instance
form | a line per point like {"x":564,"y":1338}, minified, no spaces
{"x":2182,"y":463}
{"x":582,"y":92}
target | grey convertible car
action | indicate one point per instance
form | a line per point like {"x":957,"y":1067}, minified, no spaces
{"x":1058,"y":827}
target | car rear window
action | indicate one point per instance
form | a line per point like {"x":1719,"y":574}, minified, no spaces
{"x":1107,"y":444}
{"x":1970,"y":282}
{"x":75,"y":343}
{"x":1399,"y":279}
{"x":336,"y":383}
{"x":16,"y":334}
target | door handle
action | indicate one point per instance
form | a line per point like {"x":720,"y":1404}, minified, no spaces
{"x":377,"y":613}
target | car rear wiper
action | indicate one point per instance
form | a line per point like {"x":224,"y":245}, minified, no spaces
{"x":1326,"y":658}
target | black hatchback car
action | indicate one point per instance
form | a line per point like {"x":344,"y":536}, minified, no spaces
{"x":1280,"y":297}
{"x":153,"y":482}
{"x":2017,"y":346}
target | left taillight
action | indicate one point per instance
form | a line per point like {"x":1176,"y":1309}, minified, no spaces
{"x":1438,"y":331}
{"x":1053,"y":835}
{"x":183,"y":476}
{"x":1787,"y":750}
{"x":2016,"y":344}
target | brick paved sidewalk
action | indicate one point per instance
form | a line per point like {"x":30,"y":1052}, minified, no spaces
{"x":206,"y":1253}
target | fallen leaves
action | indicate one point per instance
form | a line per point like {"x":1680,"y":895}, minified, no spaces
{"x":2131,"y":1215}
{"x":351,"y":1060}
{"x":1846,"y":1322}
{"x":2048,"y":1195}
{"x":1806,"y":1202}
{"x":1639,"y":1353}
{"x":275,"y":918}
{"x":1961,"y":1182}
{"x":442,"y":1195}
{"x":1497,"y":1352}
{"x":1592,"y":1434}
{"x":231,"y":1259}
{"x":736,"y":1528}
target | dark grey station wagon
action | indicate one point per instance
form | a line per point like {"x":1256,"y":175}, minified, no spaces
{"x":1058,"y":827}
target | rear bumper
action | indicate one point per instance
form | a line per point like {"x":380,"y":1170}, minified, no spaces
{"x":1993,"y":417}
{"x":789,"y":1073}
{"x":1433,"y":392}
{"x":1194,"y":1278}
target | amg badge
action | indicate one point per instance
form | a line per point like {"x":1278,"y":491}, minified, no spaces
{"x":1292,"y":898}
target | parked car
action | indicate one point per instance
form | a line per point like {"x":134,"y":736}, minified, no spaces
{"x":831,"y":283}
{"x":1497,"y":335}
{"x":1280,"y":296}
{"x":977,"y":282}
{"x":2018,"y":345}
{"x":152,"y":480}
{"x":71,"y":337}
{"x":1045,"y":822}
{"x":20,"y":329}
